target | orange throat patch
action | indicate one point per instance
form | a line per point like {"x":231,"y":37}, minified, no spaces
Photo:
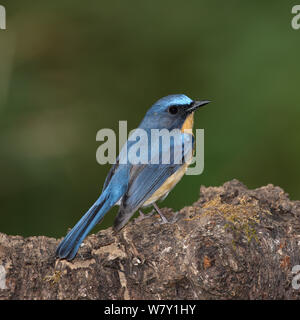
{"x":188,"y":123}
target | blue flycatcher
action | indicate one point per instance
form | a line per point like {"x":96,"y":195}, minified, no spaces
{"x":136,"y":185}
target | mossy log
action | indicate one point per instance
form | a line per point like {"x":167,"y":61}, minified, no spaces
{"x":233,"y":243}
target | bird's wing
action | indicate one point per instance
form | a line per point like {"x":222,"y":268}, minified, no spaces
{"x":111,"y":172}
{"x":119,"y":161}
{"x":145,"y":179}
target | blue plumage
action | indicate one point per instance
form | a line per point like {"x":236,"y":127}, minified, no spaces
{"x":132,"y":185}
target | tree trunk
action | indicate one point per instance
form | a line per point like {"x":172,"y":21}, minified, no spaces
{"x":233,"y":243}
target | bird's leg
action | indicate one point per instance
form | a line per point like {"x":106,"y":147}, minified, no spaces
{"x":163,"y":218}
{"x":142,"y":215}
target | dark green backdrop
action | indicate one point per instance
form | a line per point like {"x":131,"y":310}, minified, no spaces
{"x":70,"y":68}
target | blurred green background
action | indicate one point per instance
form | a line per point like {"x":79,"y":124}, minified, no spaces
{"x":70,"y":68}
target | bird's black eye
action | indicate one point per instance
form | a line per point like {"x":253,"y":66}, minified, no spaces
{"x":173,"y":110}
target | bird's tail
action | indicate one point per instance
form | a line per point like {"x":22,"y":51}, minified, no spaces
{"x":69,"y":246}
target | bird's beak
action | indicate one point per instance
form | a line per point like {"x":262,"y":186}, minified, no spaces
{"x":196,"y":104}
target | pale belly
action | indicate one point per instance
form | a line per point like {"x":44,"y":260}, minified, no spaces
{"x":167,"y":186}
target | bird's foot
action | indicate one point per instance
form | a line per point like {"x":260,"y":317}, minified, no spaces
{"x":175,"y":217}
{"x":143,"y":216}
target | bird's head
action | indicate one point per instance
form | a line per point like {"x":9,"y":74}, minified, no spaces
{"x":171,"y":112}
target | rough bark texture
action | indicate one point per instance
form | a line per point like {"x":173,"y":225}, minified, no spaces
{"x":233,"y":243}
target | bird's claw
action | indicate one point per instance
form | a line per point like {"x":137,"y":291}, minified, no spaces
{"x":143,"y":216}
{"x":175,"y":217}
{"x":164,"y":220}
